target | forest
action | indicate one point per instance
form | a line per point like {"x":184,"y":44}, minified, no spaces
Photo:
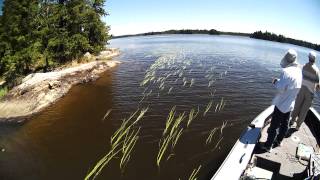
{"x":256,"y":35}
{"x":280,"y":38}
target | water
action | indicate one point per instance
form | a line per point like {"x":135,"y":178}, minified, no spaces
{"x":67,"y":139}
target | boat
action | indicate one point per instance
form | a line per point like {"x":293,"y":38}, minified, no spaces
{"x":297,"y":158}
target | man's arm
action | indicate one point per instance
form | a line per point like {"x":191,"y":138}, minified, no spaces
{"x":282,"y":82}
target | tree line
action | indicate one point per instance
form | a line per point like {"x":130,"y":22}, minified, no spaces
{"x":37,"y":35}
{"x":280,"y":38}
{"x":181,"y":31}
{"x":257,"y":35}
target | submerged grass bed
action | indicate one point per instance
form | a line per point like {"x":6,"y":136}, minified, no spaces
{"x":161,"y":79}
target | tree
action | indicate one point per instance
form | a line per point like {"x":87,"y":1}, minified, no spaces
{"x":37,"y":34}
{"x":19,"y":47}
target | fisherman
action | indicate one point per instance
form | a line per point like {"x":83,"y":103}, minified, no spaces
{"x":288,"y":86}
{"x":310,"y":83}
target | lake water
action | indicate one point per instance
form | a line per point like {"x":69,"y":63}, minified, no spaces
{"x":231,"y":73}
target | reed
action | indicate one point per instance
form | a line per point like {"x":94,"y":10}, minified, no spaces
{"x":212,"y":132}
{"x":216,"y":107}
{"x":107,"y":114}
{"x":171,"y":134}
{"x":170,"y":119}
{"x":208,"y":108}
{"x":212,"y":93}
{"x":163,"y":148}
{"x":123,"y":140}
{"x":217,"y":143}
{"x":224,"y":124}
{"x":101,"y":164}
{"x":184,"y":79}
{"x":180,"y":74}
{"x":194,"y":174}
{"x":191,"y":82}
{"x":210,"y":83}
{"x":128,"y":145}
{"x":184,"y":83}
{"x":177,"y":123}
{"x":169,"y":91}
{"x":221,"y":104}
{"x":192,"y":116}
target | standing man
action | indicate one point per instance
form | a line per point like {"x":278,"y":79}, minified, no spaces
{"x":310,"y":81}
{"x":288,"y":86}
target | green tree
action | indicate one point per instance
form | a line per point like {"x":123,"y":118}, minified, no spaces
{"x":19,"y":47}
{"x":38,"y":34}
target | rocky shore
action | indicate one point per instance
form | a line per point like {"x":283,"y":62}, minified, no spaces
{"x":37,"y":91}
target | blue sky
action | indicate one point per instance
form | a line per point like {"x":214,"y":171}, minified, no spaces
{"x":298,"y":19}
{"x":293,"y":18}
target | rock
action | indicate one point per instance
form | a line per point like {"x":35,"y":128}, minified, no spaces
{"x":50,"y":85}
{"x":54,"y":84}
{"x":2,"y":83}
{"x":87,"y":55}
{"x":39,"y":90}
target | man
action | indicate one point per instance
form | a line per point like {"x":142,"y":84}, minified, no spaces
{"x":310,"y":81}
{"x":288,"y":87}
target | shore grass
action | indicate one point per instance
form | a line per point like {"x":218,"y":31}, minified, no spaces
{"x":3,"y":91}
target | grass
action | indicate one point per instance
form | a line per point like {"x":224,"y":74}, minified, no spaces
{"x":192,"y":116}
{"x":224,"y":124}
{"x":128,"y":145}
{"x":210,"y":83}
{"x":184,"y":83}
{"x":171,"y":135}
{"x":213,"y":92}
{"x":212,"y":132}
{"x":3,"y":91}
{"x":220,"y":105}
{"x":208,"y":108}
{"x":107,"y":114}
{"x":122,"y":142}
{"x":191,"y":82}
{"x":194,"y":174}
{"x":217,"y":144}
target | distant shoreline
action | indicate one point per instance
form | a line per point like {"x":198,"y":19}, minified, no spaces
{"x":256,"y":35}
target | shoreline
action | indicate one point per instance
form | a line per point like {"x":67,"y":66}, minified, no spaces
{"x":285,"y":40}
{"x":39,"y":90}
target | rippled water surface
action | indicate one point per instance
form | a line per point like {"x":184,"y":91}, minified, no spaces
{"x":233,"y":74}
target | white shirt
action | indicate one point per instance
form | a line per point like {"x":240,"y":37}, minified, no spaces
{"x":288,"y":87}
{"x":310,"y":76}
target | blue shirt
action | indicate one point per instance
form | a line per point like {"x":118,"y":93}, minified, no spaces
{"x":288,"y":87}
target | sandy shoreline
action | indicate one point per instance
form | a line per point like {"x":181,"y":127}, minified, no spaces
{"x":39,"y":90}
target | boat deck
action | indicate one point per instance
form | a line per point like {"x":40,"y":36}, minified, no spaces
{"x":282,"y":160}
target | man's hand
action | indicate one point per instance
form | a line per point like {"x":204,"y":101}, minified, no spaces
{"x":318,"y":87}
{"x":274,"y":80}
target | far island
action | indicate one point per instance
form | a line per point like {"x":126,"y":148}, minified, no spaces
{"x":256,"y":35}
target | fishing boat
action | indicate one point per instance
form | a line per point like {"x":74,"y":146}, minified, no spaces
{"x":297,"y":158}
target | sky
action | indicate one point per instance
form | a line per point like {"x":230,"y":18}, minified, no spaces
{"x":299,"y":19}
{"x":1,"y":4}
